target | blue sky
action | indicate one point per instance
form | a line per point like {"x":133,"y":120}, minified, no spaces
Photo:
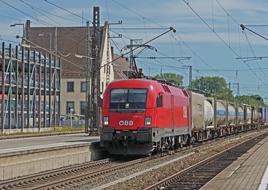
{"x":210,"y":56}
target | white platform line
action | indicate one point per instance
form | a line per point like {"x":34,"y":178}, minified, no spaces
{"x":264,"y":181}
{"x":234,"y":171}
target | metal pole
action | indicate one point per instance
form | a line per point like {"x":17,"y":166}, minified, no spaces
{"x":50,"y":43}
{"x":131,"y":57}
{"x":34,"y":90}
{"x":17,"y":89}
{"x":28,"y":88}
{"x":3,"y":87}
{"x":45,"y":89}
{"x":95,"y":77}
{"x":50,"y":80}
{"x":22,"y":89}
{"x":23,"y":34}
{"x":71,"y":113}
{"x":9,"y":86}
{"x":40,"y":92}
{"x":59,"y":86}
{"x":88,"y":82}
{"x":190,"y":77}
{"x":54,"y":92}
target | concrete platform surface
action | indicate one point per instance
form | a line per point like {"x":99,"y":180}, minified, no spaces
{"x":26,"y":156}
{"x":45,"y":140}
{"x":249,"y":172}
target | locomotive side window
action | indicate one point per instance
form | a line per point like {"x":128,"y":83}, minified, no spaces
{"x":159,"y":100}
{"x":133,"y":100}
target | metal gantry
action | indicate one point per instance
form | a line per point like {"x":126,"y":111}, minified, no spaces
{"x":30,"y":89}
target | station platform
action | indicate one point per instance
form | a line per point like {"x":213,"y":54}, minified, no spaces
{"x":249,"y":172}
{"x":45,"y":140}
{"x":24,"y":156}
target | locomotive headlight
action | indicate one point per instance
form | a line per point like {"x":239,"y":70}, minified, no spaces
{"x":147,"y":121}
{"x":105,"y":120}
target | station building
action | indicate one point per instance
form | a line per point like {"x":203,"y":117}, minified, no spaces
{"x":70,"y":43}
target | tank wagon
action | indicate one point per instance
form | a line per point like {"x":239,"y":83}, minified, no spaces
{"x":140,"y":116}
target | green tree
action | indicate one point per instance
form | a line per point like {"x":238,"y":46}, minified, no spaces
{"x":171,"y":77}
{"x":254,"y":100}
{"x":213,"y":86}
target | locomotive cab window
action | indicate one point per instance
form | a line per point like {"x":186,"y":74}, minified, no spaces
{"x":128,"y":100}
{"x":159,"y":100}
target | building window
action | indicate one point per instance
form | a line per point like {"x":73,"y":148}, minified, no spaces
{"x":70,"y":107}
{"x":70,"y":86}
{"x":83,"y":86}
{"x":83,"y":107}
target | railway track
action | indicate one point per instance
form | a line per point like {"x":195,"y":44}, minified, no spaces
{"x":93,"y":172}
{"x":68,"y":176}
{"x":23,"y":182}
{"x":199,"y":174}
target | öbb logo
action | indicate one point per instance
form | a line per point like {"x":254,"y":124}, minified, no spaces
{"x":126,"y":123}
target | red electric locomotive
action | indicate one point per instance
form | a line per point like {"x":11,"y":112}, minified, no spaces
{"x":140,"y":116}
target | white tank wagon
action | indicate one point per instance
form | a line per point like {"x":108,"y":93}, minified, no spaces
{"x":231,"y":117}
{"x":208,"y":114}
{"x":240,"y":115}
{"x":248,"y":114}
{"x":198,"y":111}
{"x":212,"y":118}
{"x":264,"y":113}
{"x":221,"y":113}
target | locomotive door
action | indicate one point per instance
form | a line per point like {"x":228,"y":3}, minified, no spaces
{"x":172,"y":111}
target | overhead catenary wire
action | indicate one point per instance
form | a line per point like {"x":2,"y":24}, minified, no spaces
{"x":35,"y":9}
{"x":252,"y":50}
{"x":23,"y":12}
{"x":26,"y":14}
{"x":239,"y":25}
{"x":52,"y":14}
{"x":141,"y":16}
{"x":40,"y":47}
{"x":161,"y":26}
{"x":197,"y":55}
{"x":221,"y":39}
{"x":256,"y":33}
{"x":135,"y":48}
{"x":188,"y":46}
{"x":137,"y":13}
{"x":66,"y":10}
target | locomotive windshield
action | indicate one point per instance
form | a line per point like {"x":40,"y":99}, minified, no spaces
{"x":128,"y":100}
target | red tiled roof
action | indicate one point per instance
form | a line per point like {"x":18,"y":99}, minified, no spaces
{"x":121,"y":67}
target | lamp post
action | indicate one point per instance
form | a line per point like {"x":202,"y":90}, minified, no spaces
{"x":89,"y":112}
{"x":23,"y":29}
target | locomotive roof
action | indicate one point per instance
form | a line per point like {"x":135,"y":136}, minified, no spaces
{"x":145,"y":83}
